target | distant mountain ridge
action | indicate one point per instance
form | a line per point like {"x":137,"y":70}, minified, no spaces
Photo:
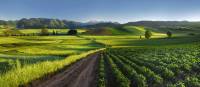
{"x":36,"y":23}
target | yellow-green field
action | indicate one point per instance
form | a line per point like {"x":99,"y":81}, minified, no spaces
{"x":30,"y":31}
{"x":156,"y":40}
{"x":48,"y":45}
{"x":37,"y":31}
{"x":26,"y":58}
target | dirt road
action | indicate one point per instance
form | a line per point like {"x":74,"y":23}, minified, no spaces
{"x":80,"y":74}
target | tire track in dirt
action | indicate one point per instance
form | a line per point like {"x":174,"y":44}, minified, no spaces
{"x":80,"y":74}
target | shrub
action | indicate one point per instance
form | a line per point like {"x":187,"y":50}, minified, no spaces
{"x":168,"y":73}
{"x":179,"y":84}
{"x":192,"y":82}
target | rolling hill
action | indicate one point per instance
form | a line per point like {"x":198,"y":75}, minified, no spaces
{"x":122,"y":30}
{"x":173,"y":26}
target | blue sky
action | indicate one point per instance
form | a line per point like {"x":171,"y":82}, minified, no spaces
{"x":102,"y":10}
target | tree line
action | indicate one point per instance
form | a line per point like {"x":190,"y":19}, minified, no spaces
{"x":43,"y":32}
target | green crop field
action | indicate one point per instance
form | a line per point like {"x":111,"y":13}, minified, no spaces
{"x":154,"y":67}
{"x":99,"y":43}
{"x":34,"y":49}
{"x":125,"y":57}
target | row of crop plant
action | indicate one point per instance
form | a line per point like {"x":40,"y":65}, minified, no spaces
{"x":150,"y":67}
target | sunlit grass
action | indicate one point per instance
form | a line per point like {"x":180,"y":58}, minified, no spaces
{"x":62,"y":31}
{"x":25,"y":58}
{"x":7,"y":40}
{"x":23,"y":75}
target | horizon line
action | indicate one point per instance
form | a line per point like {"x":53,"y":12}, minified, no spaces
{"x":153,"y":20}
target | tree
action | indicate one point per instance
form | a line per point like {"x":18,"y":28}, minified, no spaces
{"x":169,"y":34}
{"x":72,"y":32}
{"x":148,"y":34}
{"x":54,"y":32}
{"x":44,"y":31}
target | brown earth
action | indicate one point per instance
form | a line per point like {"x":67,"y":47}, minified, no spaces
{"x":80,"y":74}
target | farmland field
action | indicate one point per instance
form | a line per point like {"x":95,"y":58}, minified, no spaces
{"x":99,"y":43}
{"x":85,"y":60}
{"x":154,"y":67}
{"x":17,"y":53}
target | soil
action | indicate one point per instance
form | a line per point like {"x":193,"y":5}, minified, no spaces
{"x":81,"y":74}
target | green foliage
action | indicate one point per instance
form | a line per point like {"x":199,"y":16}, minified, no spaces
{"x":72,"y":32}
{"x":167,"y":73}
{"x":169,"y":34}
{"x":101,"y":75}
{"x":192,"y":82}
{"x":157,"y":67}
{"x":54,"y":32}
{"x":120,"y":79}
{"x":179,"y":84}
{"x":136,"y":79}
{"x":148,"y":34}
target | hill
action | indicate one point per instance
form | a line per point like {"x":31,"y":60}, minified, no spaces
{"x":173,"y":26}
{"x":120,"y":30}
{"x":107,"y":28}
